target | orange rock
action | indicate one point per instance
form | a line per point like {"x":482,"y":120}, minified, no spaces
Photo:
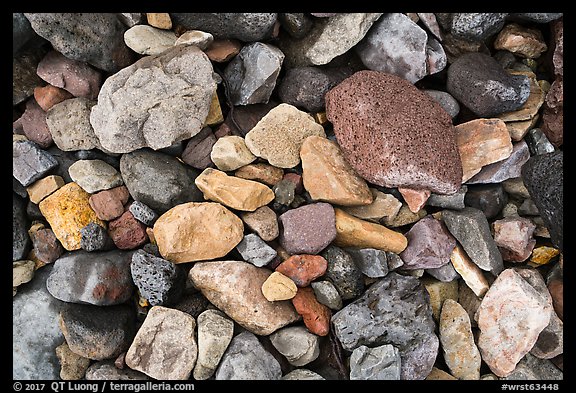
{"x":415,"y":199}
{"x":48,"y":96}
{"x":520,"y":40}
{"x":316,"y":316}
{"x":41,"y":188}
{"x":303,"y":269}
{"x":160,"y":20}
{"x":472,"y":275}
{"x":264,"y":173}
{"x":222,"y":50}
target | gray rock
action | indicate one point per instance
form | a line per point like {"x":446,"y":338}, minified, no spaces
{"x":246,"y":359}
{"x":394,"y":261}
{"x":550,"y":342}
{"x":505,"y":169}
{"x":105,"y":370}
{"x":343,"y":273}
{"x":371,"y":262}
{"x":477,"y":26}
{"x":143,"y":213}
{"x":297,"y":344}
{"x":94,"y":237}
{"x":446,"y":101}
{"x":255,"y":250}
{"x":444,"y":273}
{"x":436,"y":58}
{"x":94,"y":175}
{"x":470,"y":227}
{"x":22,"y":32}
{"x":478,"y":82}
{"x":284,"y":192}
{"x":543,"y":176}
{"x":154,"y":102}
{"x":215,"y":331}
{"x":538,"y":143}
{"x":69,"y":125}
{"x":252,"y":74}
{"x":489,"y":198}
{"x":19,"y":189}
{"x":21,"y":242}
{"x":534,"y":369}
{"x":158,"y":180}
{"x":30,"y":162}
{"x":327,"y":294}
{"x":301,"y":374}
{"x":298,"y":25}
{"x":198,"y":149}
{"x":247,"y":27}
{"x":537,"y":17}
{"x":505,"y":58}
{"x":451,"y":201}
{"x":64,"y":159}
{"x":528,"y":208}
{"x":98,"y":333}
{"x":35,"y":330}
{"x":96,"y":38}
{"x":394,"y":310}
{"x":159,"y":281}
{"x":24,"y":77}
{"x":378,"y":363}
{"x":99,"y":278}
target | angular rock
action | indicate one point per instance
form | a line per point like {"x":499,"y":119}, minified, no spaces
{"x":522,"y":41}
{"x":43,"y":187}
{"x":519,"y":129}
{"x":371,"y":262}
{"x":165,"y":346}
{"x":530,"y":108}
{"x":73,"y":366}
{"x":222,"y":50}
{"x":444,"y":273}
{"x":109,"y":204}
{"x":446,"y":101}
{"x":513,"y":236}
{"x":556,"y":288}
{"x":198,"y":149}
{"x":316,"y":316}
{"x":383,"y":205}
{"x":159,"y":281}
{"x":378,"y":363}
{"x":538,"y":143}
{"x":328,"y":177}
{"x":30,"y":162}
{"x":21,"y":242}
{"x":94,"y":237}
{"x":303,"y":269}
{"x":230,"y":153}
{"x":360,"y":106}
{"x":215,"y":332}
{"x":263,"y":222}
{"x":133,"y":113}
{"x":278,"y":287}
{"x":542,"y":255}
{"x":505,"y":169}
{"x":297,"y":344}
{"x":149,"y":40}
{"x":235,"y":288}
{"x":343,"y":273}
{"x":143,"y":213}
{"x":94,"y":175}
{"x":476,"y":26}
{"x":327,"y":294}
{"x":47,"y":248}
{"x":553,"y":113}
{"x":264,"y":173}
{"x":105,"y":370}
{"x":439,"y":292}
{"x":255,"y":250}
{"x":415,"y":199}
{"x":429,"y":245}
{"x":295,"y":24}
{"x":439,"y":375}
{"x":530,"y":368}
{"x":34,"y":125}
{"x":126,"y":232}
{"x":22,"y":32}
{"x":489,"y":198}
{"x":469,"y":271}
{"x":302,"y":374}
{"x":198,"y":38}
{"x":22,"y":272}
{"x":453,"y":201}
{"x":284,"y":192}
{"x":550,"y":342}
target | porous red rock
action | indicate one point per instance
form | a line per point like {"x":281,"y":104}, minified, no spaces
{"x":127,"y":232}
{"x":109,"y":204}
{"x":316,"y":316}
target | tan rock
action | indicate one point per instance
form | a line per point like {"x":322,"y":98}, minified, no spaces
{"x":518,"y":129}
{"x":230,"y":153}
{"x":415,"y":199}
{"x":197,"y":231}
{"x":263,"y":221}
{"x":279,"y":287}
{"x":264,"y":173}
{"x":198,"y":38}
{"x":232,"y":191}
{"x":41,"y":188}
{"x":468,"y":299}
{"x":235,"y":287}
{"x":22,"y":272}
{"x":72,"y":366}
{"x":327,"y":175}
{"x":439,"y":291}
{"x":214,"y":116}
{"x":279,"y":135}
{"x":481,"y":142}
{"x":470,"y":272}
{"x":353,"y":232}
{"x":404,"y":217}
{"x":67,"y":210}
{"x":440,"y":375}
{"x":520,"y":40}
{"x":531,"y":106}
{"x":148,"y":40}
{"x":222,"y":50}
{"x":161,"y":20}
{"x":383,"y":205}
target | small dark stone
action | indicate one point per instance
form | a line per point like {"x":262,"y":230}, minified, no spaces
{"x":477,"y":26}
{"x":490,"y":198}
{"x":20,"y":240}
{"x":30,"y":162}
{"x":538,"y":143}
{"x":47,"y":247}
{"x":284,"y":192}
{"x":95,"y":238}
{"x":450,"y":201}
{"x":371,"y":262}
{"x":198,"y":149}
{"x":95,"y":154}
{"x":296,"y":24}
{"x":192,"y":303}
{"x":343,"y":272}
{"x":143,"y":213}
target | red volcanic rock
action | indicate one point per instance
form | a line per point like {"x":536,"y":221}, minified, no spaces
{"x":303,"y":269}
{"x":316,"y":316}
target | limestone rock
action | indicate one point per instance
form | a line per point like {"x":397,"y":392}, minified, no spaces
{"x":278,"y":287}
{"x":69,"y":125}
{"x":215,"y":332}
{"x":297,"y":344}
{"x":149,"y":40}
{"x":230,"y":153}
{"x":255,"y":250}
{"x":94,"y":175}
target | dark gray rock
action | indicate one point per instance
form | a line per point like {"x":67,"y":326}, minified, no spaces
{"x":255,"y":250}
{"x":543,"y":176}
{"x":30,"y":162}
{"x":470,"y":227}
{"x":505,"y":58}
{"x":158,"y":180}
{"x":95,"y":238}
{"x":95,"y":154}
{"x":198,"y":149}
{"x":528,"y":208}
{"x":537,"y":17}
{"x":505,"y":169}
{"x":478,"y":82}
{"x":98,"y":333}
{"x":538,"y":143}
{"x":131,"y":19}
{"x":379,"y":363}
{"x":550,"y":342}
{"x":477,"y":26}
{"x":248,"y":27}
{"x":24,"y":77}
{"x":21,"y":242}
{"x":96,"y":38}
{"x":105,"y":370}
{"x":99,"y":278}
{"x":371,"y":262}
{"x":429,"y":245}
{"x":343,"y":272}
{"x":19,"y":189}
{"x":22,"y":32}
{"x":284,"y":192}
{"x":489,"y":198}
{"x":395,"y":310}
{"x":296,"y":24}
{"x":450,"y":201}
{"x":444,"y":273}
{"x":159,"y":281}
{"x":65,"y":159}
{"x":47,"y":248}
{"x":533,"y":369}
{"x":446,"y":101}
{"x":143,"y":213}
{"x":394,"y":261}
{"x":252,"y":74}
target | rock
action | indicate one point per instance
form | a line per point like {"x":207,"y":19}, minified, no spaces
{"x":264,"y":173}
{"x":328,"y":177}
{"x":303,"y":269}
{"x":30,"y":162}
{"x":97,"y":333}
{"x":357,"y":120}
{"x":198,"y":149}
{"x":284,"y":193}
{"x":378,"y":363}
{"x":198,"y":38}
{"x":505,"y":169}
{"x":538,"y":143}
{"x":126,"y":232}
{"x":159,"y":20}
{"x":263,"y":222}
{"x":478,"y":82}
{"x":36,"y":332}
{"x":94,"y":237}
{"x":394,"y":310}
{"x":343,"y":273}
{"x":149,"y":40}
{"x":520,"y":296}
{"x":556,"y":288}
{"x":444,"y":273}
{"x":94,"y":175}
{"x":214,"y":229}
{"x":453,"y":201}
{"x":469,"y":271}
{"x":307,"y":229}
{"x":22,"y":272}
{"x":403,"y":217}
{"x":74,"y":76}
{"x":143,"y":213}
{"x":158,"y":180}
{"x":22,"y":32}
{"x":165,"y":346}
{"x":542,"y":255}
{"x":429,"y":245}
{"x":470,"y":227}
{"x":46,"y":246}
{"x":550,"y":342}
{"x":439,"y":292}
{"x":553,"y":113}
{"x":223,"y":50}
{"x":353,"y":232}
{"x":235,"y":288}
{"x":73,"y":366}
{"x":316,"y":316}
{"x":230,"y":153}
{"x":415,"y":199}
{"x":132,"y":113}
{"x":279,"y":135}
{"x":24,"y":77}
{"x":519,"y":129}
{"x":278,"y":287}
{"x":215,"y":332}
{"x":69,"y":124}
{"x":246,"y":359}
{"x":439,"y":375}
{"x":489,"y":198}
{"x":255,"y":250}
{"x":532,"y":105}
{"x":159,"y":281}
{"x":252,"y":74}
{"x":460,"y":351}
{"x":557,"y":44}
{"x":43,"y":187}
{"x":327,"y":294}
{"x":105,"y":370}
{"x":543,"y":177}
{"x":21,"y":242}
{"x":476,"y":26}
{"x":131,"y":18}
{"x":513,"y":236}
{"x":296,"y":24}
{"x":34,"y":125}
{"x":328,"y":38}
{"x":532,"y":368}
{"x":446,"y":101}
{"x":297,"y":344}
{"x":302,"y":374}
{"x":232,"y":191}
{"x":537,"y":17}
{"x":371,"y":262}
{"x":522,"y":41}
{"x":383,"y":205}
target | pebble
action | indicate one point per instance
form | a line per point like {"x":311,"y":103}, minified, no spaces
{"x":375,"y":160}
{"x":22,"y":272}
{"x":371,"y":262}
{"x":143,"y":213}
{"x":278,"y":287}
{"x":255,"y":250}
{"x":105,"y":370}
{"x":303,"y":269}
{"x":215,"y":332}
{"x":296,"y":24}
{"x":480,"y":83}
{"x":46,"y":246}
{"x":30,"y":162}
{"x":439,"y":292}
{"x":454,"y":201}
{"x":198,"y":38}
{"x":94,"y":237}
{"x":316,"y":316}
{"x":530,"y":368}
{"x":429,"y":245}
{"x":302,"y":374}
{"x":97,"y":333}
{"x":148,"y":40}
{"x":378,"y":363}
{"x":550,"y":342}
{"x":69,"y":124}
{"x":232,"y":191}
{"x":126,"y":232}
{"x":469,"y":271}
{"x":34,"y":126}
{"x":489,"y":198}
{"x":476,"y":26}
{"x":460,"y":352}
{"x":160,"y":20}
{"x":222,"y":50}
{"x":532,"y":105}
{"x":522,"y":41}
{"x":230,"y":153}
{"x":343,"y":272}
{"x":538,"y":143}
{"x":198,"y":149}
{"x":296,"y":344}
{"x":514,"y":238}
{"x":446,"y":101}
{"x":505,"y":169}
{"x":327,"y":294}
{"x":263,"y":222}
{"x":246,"y":359}
{"x":444,"y":273}
{"x":165,"y":346}
{"x":73,"y":366}
{"x":328,"y":177}
{"x":511,"y":316}
{"x":43,"y":187}
{"x":215,"y":231}
{"x":132,"y":113}
{"x":261,"y":172}
{"x":235,"y":288}
{"x":383,"y":205}
{"x":94,"y":175}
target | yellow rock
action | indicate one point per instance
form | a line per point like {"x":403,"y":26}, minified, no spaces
{"x":470,"y":272}
{"x":439,"y":291}
{"x":232,"y":191}
{"x":215,"y":112}
{"x":543,"y":255}
{"x":262,"y":172}
{"x":160,"y":20}
{"x":197,"y":231}
{"x":320,"y":118}
{"x":518,"y":129}
{"x":41,"y":188}
{"x":67,"y":211}
{"x":354,"y":232}
{"x":278,"y":287}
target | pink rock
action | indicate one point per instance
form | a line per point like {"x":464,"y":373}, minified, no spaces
{"x":127,"y":232}
{"x":34,"y":124}
{"x":513,"y":236}
{"x":48,"y":96}
{"x":109,"y":204}
{"x":415,"y":199}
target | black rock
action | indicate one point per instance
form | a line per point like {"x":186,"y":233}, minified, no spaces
{"x":537,"y":142}
{"x":192,"y":303}
{"x":490,"y":198}
{"x":296,"y":24}
{"x":537,"y":17}
{"x":477,"y":26}
{"x":22,"y":32}
{"x":24,"y":77}
{"x":65,"y":159}
{"x":21,"y":242}
{"x":343,"y":273}
{"x":95,"y":154}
